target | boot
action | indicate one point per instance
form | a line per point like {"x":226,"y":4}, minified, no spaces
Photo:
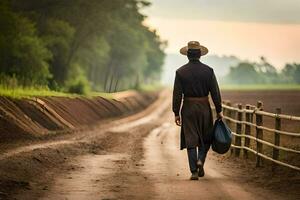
{"x":194,"y":176}
{"x":201,"y":172}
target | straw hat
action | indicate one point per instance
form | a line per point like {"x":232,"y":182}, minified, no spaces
{"x":194,"y":45}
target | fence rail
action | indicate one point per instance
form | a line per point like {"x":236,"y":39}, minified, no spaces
{"x":267,"y":114}
{"x":252,"y":118}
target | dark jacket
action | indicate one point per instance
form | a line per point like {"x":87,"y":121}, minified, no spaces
{"x":195,"y":79}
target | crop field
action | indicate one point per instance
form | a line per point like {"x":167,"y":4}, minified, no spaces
{"x":287,"y":100}
{"x":260,"y":87}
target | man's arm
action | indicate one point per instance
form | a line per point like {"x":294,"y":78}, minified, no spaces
{"x":177,"y":97}
{"x":215,"y":95}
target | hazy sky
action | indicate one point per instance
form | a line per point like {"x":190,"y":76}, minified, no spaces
{"x":245,"y":28}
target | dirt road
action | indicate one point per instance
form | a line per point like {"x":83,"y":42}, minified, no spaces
{"x":133,"y":158}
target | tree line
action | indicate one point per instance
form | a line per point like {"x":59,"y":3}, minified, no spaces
{"x":74,"y":45}
{"x":262,"y":73}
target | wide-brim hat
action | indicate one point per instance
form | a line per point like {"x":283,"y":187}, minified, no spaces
{"x":194,"y":45}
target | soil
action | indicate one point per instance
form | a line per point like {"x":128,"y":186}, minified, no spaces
{"x":287,"y":100}
{"x":132,"y":157}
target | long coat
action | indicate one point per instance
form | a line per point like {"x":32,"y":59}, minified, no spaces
{"x":195,"y":79}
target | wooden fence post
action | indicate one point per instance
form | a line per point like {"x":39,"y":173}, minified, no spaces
{"x":225,"y":112}
{"x":276,"y":137}
{"x":247,"y":131}
{"x":229,"y":114}
{"x":229,"y":123}
{"x":237,"y":141}
{"x":259,"y":133}
{"x":223,"y":109}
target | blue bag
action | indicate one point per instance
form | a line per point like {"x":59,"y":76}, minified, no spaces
{"x":221,"y":137}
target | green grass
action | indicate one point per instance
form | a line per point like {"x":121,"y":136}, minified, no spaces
{"x":150,"y":88}
{"x":143,"y":88}
{"x":21,"y":92}
{"x":261,"y":87}
{"x":101,"y":94}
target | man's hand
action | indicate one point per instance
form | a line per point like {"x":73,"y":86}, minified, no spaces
{"x":177,"y":120}
{"x":220,"y":115}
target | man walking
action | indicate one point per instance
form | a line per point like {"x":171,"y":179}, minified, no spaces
{"x":193,"y":83}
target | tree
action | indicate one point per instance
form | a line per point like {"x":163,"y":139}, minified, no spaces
{"x":84,"y":40}
{"x":23,"y":54}
{"x":291,"y":73}
{"x":263,"y":73}
{"x":244,"y":73}
{"x":57,"y":35}
{"x":267,"y":71}
{"x":155,"y":56}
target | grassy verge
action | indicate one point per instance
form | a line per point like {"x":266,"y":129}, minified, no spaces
{"x":101,"y":94}
{"x":261,"y":87}
{"x":22,"y":92}
{"x":150,"y":88}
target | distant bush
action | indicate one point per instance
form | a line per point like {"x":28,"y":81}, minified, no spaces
{"x":250,"y":73}
{"x":53,"y":85}
{"x":79,"y":86}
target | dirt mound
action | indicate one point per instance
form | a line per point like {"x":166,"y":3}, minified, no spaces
{"x":42,"y":116}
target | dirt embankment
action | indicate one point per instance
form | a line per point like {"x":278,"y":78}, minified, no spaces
{"x":40,"y":117}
